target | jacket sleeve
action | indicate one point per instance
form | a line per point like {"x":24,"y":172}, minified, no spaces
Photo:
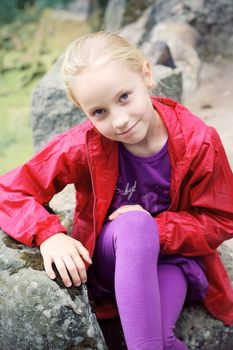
{"x":24,"y":191}
{"x":204,"y":218}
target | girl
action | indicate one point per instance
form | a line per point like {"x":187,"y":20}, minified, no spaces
{"x":154,"y":197}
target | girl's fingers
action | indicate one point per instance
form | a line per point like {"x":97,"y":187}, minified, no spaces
{"x":48,"y":267}
{"x":120,"y":211}
{"x":124,"y":209}
{"x":80,"y":266}
{"x":83,"y":252}
{"x":75,"y":270}
{"x":114,"y":215}
{"x":61,"y":268}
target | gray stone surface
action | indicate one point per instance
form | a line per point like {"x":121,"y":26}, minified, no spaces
{"x":181,"y":39}
{"x":198,"y":328}
{"x":212,"y":19}
{"x":37,"y":313}
{"x":52,"y":112}
{"x":114,"y":14}
{"x":168,"y":82}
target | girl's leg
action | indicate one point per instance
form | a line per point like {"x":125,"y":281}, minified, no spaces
{"x":126,"y":261}
{"x":173,"y":289}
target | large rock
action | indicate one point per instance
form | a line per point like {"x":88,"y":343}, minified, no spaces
{"x":39,"y":314}
{"x":181,"y":39}
{"x":123,"y":12}
{"x":212,"y":19}
{"x":52,"y":112}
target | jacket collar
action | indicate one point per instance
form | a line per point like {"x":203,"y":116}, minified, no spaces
{"x":103,"y":164}
{"x":176,"y":144}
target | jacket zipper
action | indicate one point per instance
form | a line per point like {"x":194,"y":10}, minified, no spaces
{"x":94,"y":195}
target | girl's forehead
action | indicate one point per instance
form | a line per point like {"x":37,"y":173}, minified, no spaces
{"x":100,"y":83}
{"x":114,"y":66}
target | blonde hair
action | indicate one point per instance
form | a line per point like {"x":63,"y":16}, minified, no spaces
{"x":97,"y":49}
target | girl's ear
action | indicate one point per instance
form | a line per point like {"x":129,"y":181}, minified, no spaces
{"x":148,"y":75}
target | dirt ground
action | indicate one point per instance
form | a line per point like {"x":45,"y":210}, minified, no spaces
{"x":213,"y":102}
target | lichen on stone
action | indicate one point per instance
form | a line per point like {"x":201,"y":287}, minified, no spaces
{"x":33,"y":260}
{"x":12,"y":243}
{"x":87,"y":343}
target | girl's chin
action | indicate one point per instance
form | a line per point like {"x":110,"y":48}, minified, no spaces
{"x":132,"y":141}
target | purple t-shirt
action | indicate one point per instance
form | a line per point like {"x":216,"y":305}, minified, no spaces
{"x":143,"y":180}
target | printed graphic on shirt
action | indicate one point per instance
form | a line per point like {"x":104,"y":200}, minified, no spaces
{"x":129,"y":192}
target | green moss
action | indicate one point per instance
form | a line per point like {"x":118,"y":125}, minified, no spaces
{"x":85,"y":344}
{"x":11,"y":243}
{"x":33,"y":260}
{"x":30,"y":259}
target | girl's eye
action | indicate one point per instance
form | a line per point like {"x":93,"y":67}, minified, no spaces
{"x":124,"y":96}
{"x":98,"y":112}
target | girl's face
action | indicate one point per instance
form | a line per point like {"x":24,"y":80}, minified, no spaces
{"x":116,"y":100}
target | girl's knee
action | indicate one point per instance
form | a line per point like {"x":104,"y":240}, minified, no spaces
{"x":136,"y":229}
{"x":136,"y":218}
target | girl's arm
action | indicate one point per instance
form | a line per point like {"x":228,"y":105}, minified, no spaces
{"x":24,"y":191}
{"x":204,"y":218}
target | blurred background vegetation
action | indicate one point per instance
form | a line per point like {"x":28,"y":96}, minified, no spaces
{"x":32,"y":37}
{"x":34,"y":33}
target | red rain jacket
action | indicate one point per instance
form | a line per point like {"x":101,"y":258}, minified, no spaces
{"x":199,"y":219}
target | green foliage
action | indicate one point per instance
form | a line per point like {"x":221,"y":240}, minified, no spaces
{"x":21,"y":9}
{"x":28,"y":47}
{"x":51,"y":3}
{"x":15,"y":133}
{"x":8,"y":10}
{"x":103,"y":3}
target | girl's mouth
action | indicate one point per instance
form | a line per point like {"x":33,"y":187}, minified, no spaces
{"x":128,"y":130}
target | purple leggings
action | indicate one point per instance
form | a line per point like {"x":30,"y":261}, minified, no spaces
{"x":149,"y":297}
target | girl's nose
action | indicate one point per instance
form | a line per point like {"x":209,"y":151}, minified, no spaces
{"x":120,"y":120}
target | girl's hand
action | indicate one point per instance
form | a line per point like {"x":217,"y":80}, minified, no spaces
{"x":67,"y":254}
{"x":124,"y":209}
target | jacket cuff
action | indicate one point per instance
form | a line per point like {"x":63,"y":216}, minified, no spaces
{"x":43,"y":235}
{"x":161,"y":231}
